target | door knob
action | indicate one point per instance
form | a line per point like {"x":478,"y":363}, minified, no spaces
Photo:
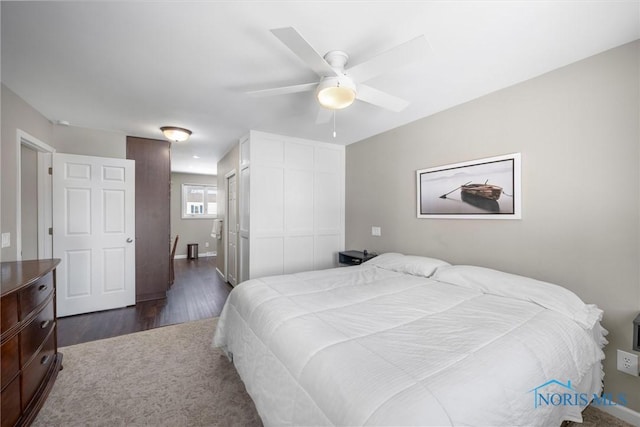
{"x":129,"y":240}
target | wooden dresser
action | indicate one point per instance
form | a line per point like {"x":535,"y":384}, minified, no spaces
{"x":30,"y":359}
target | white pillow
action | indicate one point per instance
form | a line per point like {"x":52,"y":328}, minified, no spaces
{"x":408,"y":264}
{"x":548,"y":295}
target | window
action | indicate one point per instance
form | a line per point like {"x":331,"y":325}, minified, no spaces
{"x":199,"y":201}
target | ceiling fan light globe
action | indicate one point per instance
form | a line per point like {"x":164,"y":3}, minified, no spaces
{"x":336,"y":93}
{"x":336,"y":98}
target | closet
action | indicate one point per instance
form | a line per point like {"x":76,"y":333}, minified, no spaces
{"x":291,"y":204}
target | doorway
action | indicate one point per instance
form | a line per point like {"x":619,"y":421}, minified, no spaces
{"x":33,"y":204}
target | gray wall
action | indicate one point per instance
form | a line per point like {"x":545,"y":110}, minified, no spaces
{"x":89,"y":142}
{"x":17,"y":114}
{"x":190,"y":230}
{"x":578,"y":131}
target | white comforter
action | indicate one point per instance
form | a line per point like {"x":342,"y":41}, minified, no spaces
{"x":368,"y":346}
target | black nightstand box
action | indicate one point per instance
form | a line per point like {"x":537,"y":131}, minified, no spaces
{"x":354,"y":257}
{"x":636,"y":333}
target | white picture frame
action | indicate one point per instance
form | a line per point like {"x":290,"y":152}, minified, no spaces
{"x":488,"y":188}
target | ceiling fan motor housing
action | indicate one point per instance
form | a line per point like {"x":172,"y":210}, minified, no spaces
{"x":337,"y":59}
{"x":336,"y":91}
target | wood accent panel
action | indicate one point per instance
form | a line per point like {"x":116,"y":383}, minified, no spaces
{"x":30,"y":358}
{"x":153,"y":220}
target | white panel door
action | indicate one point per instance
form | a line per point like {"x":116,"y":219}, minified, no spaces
{"x":298,"y":254}
{"x":266,"y":256}
{"x":298,"y":202}
{"x":93,"y":232}
{"x":267,"y":201}
{"x":243,"y":217}
{"x":232,"y":231}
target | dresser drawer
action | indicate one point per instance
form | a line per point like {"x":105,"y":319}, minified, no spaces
{"x":9,"y":311}
{"x":11,"y":403}
{"x":10,"y":359}
{"x":34,"y":334}
{"x":35,"y":294}
{"x":34,"y":372}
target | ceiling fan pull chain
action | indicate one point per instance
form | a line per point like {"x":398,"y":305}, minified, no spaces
{"x":334,"y":123}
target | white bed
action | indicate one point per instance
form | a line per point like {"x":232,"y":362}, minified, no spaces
{"x":391,"y":342}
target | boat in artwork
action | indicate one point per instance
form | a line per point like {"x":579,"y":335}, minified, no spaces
{"x":486,"y":191}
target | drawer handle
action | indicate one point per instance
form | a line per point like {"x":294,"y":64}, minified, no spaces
{"x":44,"y":324}
{"x":42,"y":288}
{"x":45,"y":359}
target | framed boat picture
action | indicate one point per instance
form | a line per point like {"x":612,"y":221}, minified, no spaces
{"x":478,"y":189}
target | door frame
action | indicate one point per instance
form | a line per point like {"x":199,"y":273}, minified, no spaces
{"x":45,"y":220}
{"x":225,"y":224}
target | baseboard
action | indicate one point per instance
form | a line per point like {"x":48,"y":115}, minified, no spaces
{"x":151,"y":296}
{"x":222,"y":276}
{"x":202,"y":255}
{"x":622,"y":412}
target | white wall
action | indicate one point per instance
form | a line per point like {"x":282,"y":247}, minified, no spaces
{"x":577,"y":129}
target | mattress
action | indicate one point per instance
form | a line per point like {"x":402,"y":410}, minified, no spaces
{"x":412,"y":341}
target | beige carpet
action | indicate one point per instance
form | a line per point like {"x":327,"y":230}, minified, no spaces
{"x":168,"y":376}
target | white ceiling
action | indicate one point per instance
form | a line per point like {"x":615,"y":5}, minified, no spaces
{"x":133,"y":67}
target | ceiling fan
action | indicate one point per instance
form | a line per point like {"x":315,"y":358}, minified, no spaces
{"x":339,"y":86}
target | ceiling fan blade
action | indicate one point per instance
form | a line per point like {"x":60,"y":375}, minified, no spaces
{"x":294,"y":41}
{"x":284,"y":90}
{"x":396,"y":57}
{"x":380,"y":98}
{"x":324,"y":115}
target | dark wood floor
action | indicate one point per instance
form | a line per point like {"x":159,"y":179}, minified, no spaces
{"x":197,"y":293}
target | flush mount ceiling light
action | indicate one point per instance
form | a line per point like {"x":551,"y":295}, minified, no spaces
{"x":175,"y":134}
{"x":336,"y":93}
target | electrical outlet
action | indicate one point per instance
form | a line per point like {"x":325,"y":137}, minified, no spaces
{"x":376,"y":231}
{"x":6,"y":240}
{"x":628,"y":363}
